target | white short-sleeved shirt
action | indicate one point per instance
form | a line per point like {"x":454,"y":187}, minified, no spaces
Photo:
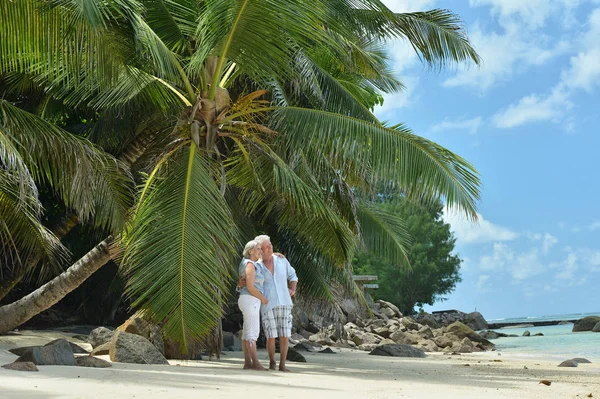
{"x":276,"y":285}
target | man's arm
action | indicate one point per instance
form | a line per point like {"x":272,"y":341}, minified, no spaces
{"x":292,"y":279}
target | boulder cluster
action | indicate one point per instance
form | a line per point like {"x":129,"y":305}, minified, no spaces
{"x":389,"y":326}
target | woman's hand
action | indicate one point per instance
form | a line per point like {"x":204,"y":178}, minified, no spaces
{"x":264,"y":300}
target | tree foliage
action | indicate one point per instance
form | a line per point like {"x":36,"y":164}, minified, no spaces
{"x":432,"y":271}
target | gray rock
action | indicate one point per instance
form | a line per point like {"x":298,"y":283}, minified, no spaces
{"x":231,"y":342}
{"x":489,"y":334}
{"x":22,"y":350}
{"x":410,"y":324}
{"x":21,"y":366}
{"x":103,"y":349}
{"x":304,"y":346}
{"x":580,"y":360}
{"x":388,"y":312}
{"x":327,"y":350}
{"x":294,"y":356}
{"x":596,"y":328}
{"x":465,"y":346}
{"x":425,"y":332}
{"x":526,"y":333}
{"x":99,"y":336}
{"x":366,"y":338}
{"x":383,"y":332}
{"x":59,"y":353}
{"x":386,"y":341}
{"x":91,"y":361}
{"x":367,"y":347}
{"x":389,"y":305}
{"x":429,"y":346}
{"x":398,"y":350}
{"x":442,"y":341}
{"x":586,"y":324}
{"x":463,"y":331}
{"x":476,"y":321}
{"x":132,"y":348}
{"x":568,"y":363}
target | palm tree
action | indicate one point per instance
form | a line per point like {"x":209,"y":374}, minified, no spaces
{"x":262,"y":112}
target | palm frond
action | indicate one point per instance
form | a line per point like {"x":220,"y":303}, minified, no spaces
{"x":395,"y":156}
{"x":384,"y":233}
{"x":180,"y":246}
{"x":88,"y":180}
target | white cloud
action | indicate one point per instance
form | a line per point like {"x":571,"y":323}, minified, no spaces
{"x":504,"y":54}
{"x":482,"y":282}
{"x":583,"y":73}
{"x":526,"y":265}
{"x":568,"y":268}
{"x":531,"y":14}
{"x":409,"y":5}
{"x":594,"y":226}
{"x":470,"y":125}
{"x":480,"y":232}
{"x":501,"y":258}
{"x":549,"y":242}
{"x":533,"y":108}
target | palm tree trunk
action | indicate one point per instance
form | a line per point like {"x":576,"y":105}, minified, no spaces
{"x":17,"y":313}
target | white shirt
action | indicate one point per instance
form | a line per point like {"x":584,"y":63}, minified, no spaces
{"x":276,"y":285}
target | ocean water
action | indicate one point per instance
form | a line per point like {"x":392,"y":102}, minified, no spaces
{"x":558,"y":342}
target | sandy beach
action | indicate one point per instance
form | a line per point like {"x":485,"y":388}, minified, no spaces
{"x":345,"y":374}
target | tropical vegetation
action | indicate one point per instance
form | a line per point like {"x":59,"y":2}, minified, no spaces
{"x":431,"y":269}
{"x":231,"y":117}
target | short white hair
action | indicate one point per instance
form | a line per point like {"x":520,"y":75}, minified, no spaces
{"x":249,"y":247}
{"x":262,"y":238}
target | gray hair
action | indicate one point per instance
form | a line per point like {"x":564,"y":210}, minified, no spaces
{"x":249,"y":247}
{"x":262,"y":238}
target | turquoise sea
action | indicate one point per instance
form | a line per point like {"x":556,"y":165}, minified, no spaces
{"x":558,"y":341}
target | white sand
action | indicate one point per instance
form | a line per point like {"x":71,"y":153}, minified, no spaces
{"x":346,"y":374}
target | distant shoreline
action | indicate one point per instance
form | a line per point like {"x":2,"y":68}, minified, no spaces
{"x":492,"y":326}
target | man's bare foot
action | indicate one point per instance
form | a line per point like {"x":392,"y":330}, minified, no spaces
{"x":259,"y":368}
{"x":272,"y":366}
{"x":285,"y":369}
{"x":247,"y":367}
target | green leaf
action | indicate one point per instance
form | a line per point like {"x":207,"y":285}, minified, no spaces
{"x":180,"y":248}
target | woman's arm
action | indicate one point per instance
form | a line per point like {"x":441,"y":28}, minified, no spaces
{"x":250,"y":276}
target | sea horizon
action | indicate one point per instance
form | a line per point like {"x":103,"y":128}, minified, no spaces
{"x":551,"y":317}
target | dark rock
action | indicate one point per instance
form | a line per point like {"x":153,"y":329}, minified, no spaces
{"x":561,"y":323}
{"x":489,"y":334}
{"x":596,"y":327}
{"x":428,"y":320}
{"x":568,"y":363}
{"x":526,"y":333}
{"x":21,"y":366}
{"x":586,"y":324}
{"x":397,"y":350}
{"x":295,"y":356}
{"x":304,"y":346}
{"x":580,"y":360}
{"x":326,"y":350}
{"x":99,"y":336}
{"x":538,"y":335}
{"x":476,"y":321}
{"x":103,"y":349}
{"x":231,"y":342}
{"x":59,"y":353}
{"x":76,"y":348}
{"x":91,"y":361}
{"x":132,"y":348}
{"x":80,"y":337}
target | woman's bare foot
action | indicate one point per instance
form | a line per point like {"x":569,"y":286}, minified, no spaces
{"x":247,"y":366}
{"x":272,"y":366}
{"x":285,"y":369}
{"x":259,"y":368}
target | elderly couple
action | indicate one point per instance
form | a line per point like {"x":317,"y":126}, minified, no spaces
{"x":265,"y":294}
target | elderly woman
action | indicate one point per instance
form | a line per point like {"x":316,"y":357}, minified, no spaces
{"x":251,"y":297}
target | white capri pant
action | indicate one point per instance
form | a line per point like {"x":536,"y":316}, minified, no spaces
{"x":250,"y":307}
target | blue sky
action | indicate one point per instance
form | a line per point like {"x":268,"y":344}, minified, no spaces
{"x":528,"y":120}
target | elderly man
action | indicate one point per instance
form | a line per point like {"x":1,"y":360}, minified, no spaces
{"x":279,"y":286}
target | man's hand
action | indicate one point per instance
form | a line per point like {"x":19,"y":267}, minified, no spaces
{"x":241,"y":282}
{"x":279,"y":255}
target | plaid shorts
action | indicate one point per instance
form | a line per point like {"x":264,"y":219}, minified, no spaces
{"x":277,"y":322}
